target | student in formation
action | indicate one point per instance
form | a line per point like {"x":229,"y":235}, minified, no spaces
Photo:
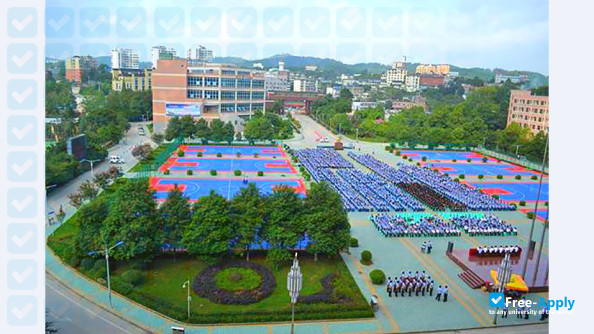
{"x":438,"y":295}
{"x":445,"y":294}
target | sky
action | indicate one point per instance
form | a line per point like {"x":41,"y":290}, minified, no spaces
{"x":469,"y":33}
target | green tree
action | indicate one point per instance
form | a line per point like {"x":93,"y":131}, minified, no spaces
{"x":202,"y":130}
{"x":326,"y":220}
{"x":217,"y":128}
{"x":210,"y":230}
{"x":175,"y":216}
{"x":90,"y":223}
{"x":345,"y":94}
{"x":132,"y":218}
{"x":228,"y":132}
{"x":247,"y":213}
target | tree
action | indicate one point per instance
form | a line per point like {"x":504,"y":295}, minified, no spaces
{"x":102,"y":179}
{"x":158,"y":138}
{"x":345,"y":94}
{"x":142,"y":152}
{"x":210,"y":230}
{"x":175,"y":216}
{"x":173,"y":128}
{"x":326,"y":220}
{"x":202,"y":130}
{"x":218,"y":133}
{"x":89,"y":227}
{"x":229,"y":132}
{"x":88,"y":190}
{"x":247,"y":213}
{"x":132,"y":218}
{"x":75,"y":200}
{"x":342,"y":122}
{"x":283,"y":225}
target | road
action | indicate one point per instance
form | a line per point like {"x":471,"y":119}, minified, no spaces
{"x":71,"y":313}
{"x":60,"y":195}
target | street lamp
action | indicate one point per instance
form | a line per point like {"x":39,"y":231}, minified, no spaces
{"x":91,"y":162}
{"x":187,"y":285}
{"x":106,"y":252}
{"x":294,"y":279}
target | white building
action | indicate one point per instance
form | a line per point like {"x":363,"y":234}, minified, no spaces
{"x":396,"y":76}
{"x":305,"y":85}
{"x":126,"y":59}
{"x":358,"y":105}
{"x":311,"y":68}
{"x":201,"y":53}
{"x":277,"y":80}
{"x":162,"y":52}
{"x":411,"y":83}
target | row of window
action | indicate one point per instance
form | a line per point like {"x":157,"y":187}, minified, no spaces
{"x":241,"y":107}
{"x":527,"y":118}
{"x":530,"y":102}
{"x":533,"y":110}
{"x":225,"y":82}
{"x":225,"y":95}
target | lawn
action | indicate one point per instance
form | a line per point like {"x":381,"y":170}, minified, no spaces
{"x":164,"y":276}
{"x":150,"y":161}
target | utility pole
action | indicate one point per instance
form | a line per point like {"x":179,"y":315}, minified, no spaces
{"x":544,"y":157}
{"x":106,"y":253}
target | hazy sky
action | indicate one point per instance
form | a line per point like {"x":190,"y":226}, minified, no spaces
{"x":470,"y":33}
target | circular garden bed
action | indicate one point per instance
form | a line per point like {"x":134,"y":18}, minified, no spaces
{"x":235,"y":283}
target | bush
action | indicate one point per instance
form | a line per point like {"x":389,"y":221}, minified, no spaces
{"x":121,"y":286}
{"x":454,"y":160}
{"x":418,"y":164}
{"x":100,"y":273}
{"x":256,"y":155}
{"x":456,"y":180}
{"x":534,"y":177}
{"x":237,"y":172}
{"x":499,"y":177}
{"x":518,"y":177}
{"x":190,"y":172}
{"x":354,"y":242}
{"x":87,"y":264}
{"x":530,"y":215}
{"x":468,"y":160}
{"x":424,"y":158}
{"x":213,"y":172}
{"x":404,"y":157}
{"x":219,"y":155}
{"x":496,"y":196}
{"x":485,"y":159}
{"x":100,"y":263}
{"x":461,"y":176}
{"x":547,"y":203}
{"x":74,"y":261}
{"x":260,"y":173}
{"x":410,"y":160}
{"x":481,"y":176}
{"x":388,"y":148}
{"x":199,"y":154}
{"x":397,"y":153}
{"x":377,"y":276}
{"x":366,"y":257}
{"x":238,"y":154}
{"x":166,"y":172}
{"x":522,"y":203}
{"x":133,"y":276}
{"x":446,"y":174}
{"x":180,"y":153}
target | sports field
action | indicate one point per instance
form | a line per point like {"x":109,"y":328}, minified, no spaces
{"x":443,"y":155}
{"x":513,"y":190}
{"x":480,"y":168}
{"x":268,"y":151}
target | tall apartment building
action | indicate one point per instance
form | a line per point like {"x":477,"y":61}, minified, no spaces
{"x":205,"y":90}
{"x":78,"y":66}
{"x":135,"y":80}
{"x":501,"y":77}
{"x":396,"y":76}
{"x":303,"y":85}
{"x":277,"y":80}
{"x":161,"y":52}
{"x":411,"y":83}
{"x":201,"y":53}
{"x":529,"y":111}
{"x":124,"y":59}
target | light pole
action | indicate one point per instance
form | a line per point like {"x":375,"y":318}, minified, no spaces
{"x":503,"y":275}
{"x":91,"y":162}
{"x":544,"y":159}
{"x":106,"y":252}
{"x":187,"y":285}
{"x":294,"y":279}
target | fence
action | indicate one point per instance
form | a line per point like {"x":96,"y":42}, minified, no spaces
{"x":505,"y":157}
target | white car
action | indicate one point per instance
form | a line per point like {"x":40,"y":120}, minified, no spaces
{"x":116,"y":159}
{"x":325,"y":140}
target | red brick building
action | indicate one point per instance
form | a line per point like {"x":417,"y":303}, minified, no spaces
{"x":431,"y":80}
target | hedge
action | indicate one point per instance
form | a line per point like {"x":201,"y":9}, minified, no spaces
{"x":481,"y":176}
{"x":366,"y":257}
{"x":499,"y":177}
{"x":213,"y":172}
{"x":199,"y":154}
{"x":522,"y":203}
{"x":237,"y":172}
{"x":518,"y":177}
{"x":180,"y":153}
{"x":354,"y":242}
{"x":133,"y":276}
{"x":260,"y":173}
{"x":377,"y":276}
{"x":530,"y":215}
{"x":190,"y":172}
{"x":534,"y":177}
{"x":461,"y":176}
{"x":219,"y":155}
{"x":397,"y":153}
{"x":166,"y":172}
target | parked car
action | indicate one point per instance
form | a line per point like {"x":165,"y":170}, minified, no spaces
{"x":116,"y":159}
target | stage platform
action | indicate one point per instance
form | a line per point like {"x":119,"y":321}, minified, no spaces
{"x":481,"y":267}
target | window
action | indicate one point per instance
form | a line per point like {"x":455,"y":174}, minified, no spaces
{"x":243,"y":107}
{"x":194,"y":81}
{"x":258,"y":83}
{"x":241,"y":95}
{"x":257,"y":106}
{"x":228,"y":107}
{"x":227,"y":82}
{"x":211,"y":82}
{"x":243,"y":83}
{"x":211,"y":94}
{"x":257,"y":95}
{"x":228,"y":72}
{"x":194,"y":94}
{"x":228,"y":95}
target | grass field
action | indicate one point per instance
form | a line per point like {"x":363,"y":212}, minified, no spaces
{"x":149,"y":162}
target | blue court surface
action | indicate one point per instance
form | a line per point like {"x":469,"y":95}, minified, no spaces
{"x":480,"y":169}
{"x":514,"y":191}
{"x":227,"y":187}
{"x":442,"y":155}
{"x":231,"y":164}
{"x":233,"y":150}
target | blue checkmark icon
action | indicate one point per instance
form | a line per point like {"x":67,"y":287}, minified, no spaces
{"x":496,"y":299}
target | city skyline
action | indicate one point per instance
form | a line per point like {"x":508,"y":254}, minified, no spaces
{"x":462,"y":33}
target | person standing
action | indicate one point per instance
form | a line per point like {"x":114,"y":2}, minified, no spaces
{"x":431,"y":288}
{"x":389,"y":287}
{"x":545,"y":312}
{"x":505,"y":309}
{"x":429,"y":247}
{"x":410,"y":288}
{"x":445,"y":294}
{"x":438,"y":295}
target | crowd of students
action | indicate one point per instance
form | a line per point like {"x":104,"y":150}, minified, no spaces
{"x":429,"y":226}
{"x":431,"y":198}
{"x":498,"y":250}
{"x":489,"y":225}
{"x":419,"y":284}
